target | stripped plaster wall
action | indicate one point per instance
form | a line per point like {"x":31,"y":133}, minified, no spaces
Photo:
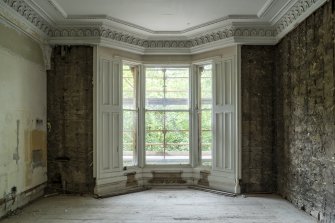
{"x":258,"y":162}
{"x":305,"y":114}
{"x":70,"y":117}
{"x":297,"y":75}
{"x":23,"y":155}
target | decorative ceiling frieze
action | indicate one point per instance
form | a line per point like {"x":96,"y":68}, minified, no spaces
{"x":300,"y":10}
{"x":244,"y":32}
{"x":22,"y":8}
{"x":108,"y":33}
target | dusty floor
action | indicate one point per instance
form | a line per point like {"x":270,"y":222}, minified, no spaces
{"x":161,"y":205}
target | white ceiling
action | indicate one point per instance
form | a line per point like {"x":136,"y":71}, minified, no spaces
{"x":160,"y":26}
{"x":161,"y":15}
{"x":154,"y":16}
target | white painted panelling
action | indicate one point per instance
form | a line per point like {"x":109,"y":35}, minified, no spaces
{"x":105,"y":141}
{"x":225,"y":137}
{"x":106,"y":79}
{"x":116,"y":139}
{"x":116,"y":87}
{"x":110,"y":118}
{"x":224,"y":101}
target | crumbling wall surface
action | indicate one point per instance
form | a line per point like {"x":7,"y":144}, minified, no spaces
{"x":23,"y":163}
{"x":257,"y":69}
{"x":70,"y":119}
{"x":305,"y":115}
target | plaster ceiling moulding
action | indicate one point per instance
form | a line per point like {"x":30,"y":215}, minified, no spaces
{"x":225,"y":35}
{"x":110,"y":21}
{"x":41,"y":11}
{"x":130,"y":39}
{"x":265,"y":10}
{"x":101,"y":32}
{"x":58,"y":8}
{"x":23,"y":9}
{"x":300,"y":11}
{"x":151,"y":34}
{"x":274,"y":9}
{"x":217,"y":23}
{"x":221,"y":22}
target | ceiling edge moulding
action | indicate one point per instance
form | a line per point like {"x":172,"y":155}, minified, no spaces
{"x":28,"y":16}
{"x":58,"y":8}
{"x":265,"y":10}
{"x":82,"y":33}
{"x":295,"y":15}
{"x":23,"y":18}
{"x":114,"y":22}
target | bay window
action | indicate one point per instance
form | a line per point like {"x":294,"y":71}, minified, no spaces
{"x":162,"y":120}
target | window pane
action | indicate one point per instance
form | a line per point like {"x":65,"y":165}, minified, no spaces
{"x":177,"y":146}
{"x":129,"y":116}
{"x":167,"y":88}
{"x":167,"y":141}
{"x":167,"y":130}
{"x":154,"y":137}
{"x":154,"y":120}
{"x":206,"y":115}
{"x":206,"y":120}
{"x":174,"y":138}
{"x":129,"y":88}
{"x":129,"y":137}
{"x":177,"y":120}
{"x":206,"y":88}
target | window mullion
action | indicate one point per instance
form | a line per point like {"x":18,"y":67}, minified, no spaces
{"x":194,"y":117}
{"x":141,"y":117}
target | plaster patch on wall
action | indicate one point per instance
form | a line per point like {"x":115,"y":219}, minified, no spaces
{"x":35,"y":152}
{"x":38,"y":148}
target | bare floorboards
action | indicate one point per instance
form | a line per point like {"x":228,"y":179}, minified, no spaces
{"x":161,"y":206}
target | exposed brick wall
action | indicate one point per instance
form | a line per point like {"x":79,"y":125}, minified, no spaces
{"x":305,"y":115}
{"x":257,"y":119}
{"x":298,"y":151}
{"x":70,"y":118}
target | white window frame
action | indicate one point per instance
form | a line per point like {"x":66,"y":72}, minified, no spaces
{"x":143,"y":111}
{"x":194,"y":128}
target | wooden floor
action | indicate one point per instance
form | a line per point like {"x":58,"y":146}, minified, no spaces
{"x":160,"y":206}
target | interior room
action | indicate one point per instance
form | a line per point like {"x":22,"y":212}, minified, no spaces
{"x":167,"y":111}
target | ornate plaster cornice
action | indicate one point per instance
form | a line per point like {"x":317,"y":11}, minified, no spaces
{"x":246,"y":33}
{"x":23,"y":9}
{"x":296,"y":14}
{"x":73,"y":34}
